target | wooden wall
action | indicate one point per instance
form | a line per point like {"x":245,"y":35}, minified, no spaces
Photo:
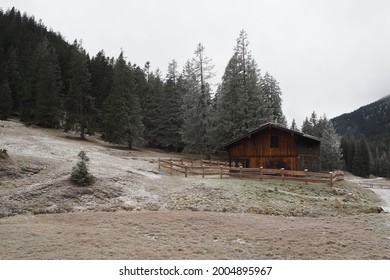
{"x":290,"y":152}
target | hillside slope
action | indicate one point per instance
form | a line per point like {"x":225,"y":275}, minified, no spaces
{"x":371,"y":121}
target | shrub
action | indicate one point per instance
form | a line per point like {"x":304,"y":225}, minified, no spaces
{"x":80,"y":174}
{"x":3,"y":153}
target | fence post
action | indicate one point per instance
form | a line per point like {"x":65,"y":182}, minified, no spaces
{"x":171,"y":166}
{"x":331,"y":179}
{"x":240,"y":172}
{"x":282,"y":171}
{"x":221,"y":171}
{"x":202,"y":170}
{"x":185,"y":170}
{"x":306,"y":178}
{"x":261,"y":173}
{"x":159,"y":167}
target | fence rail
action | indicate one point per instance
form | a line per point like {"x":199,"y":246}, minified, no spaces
{"x":221,"y":168}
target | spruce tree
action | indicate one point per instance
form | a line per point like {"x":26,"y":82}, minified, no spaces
{"x":345,"y":147}
{"x":79,"y":102}
{"x":80,"y":174}
{"x":6,"y":102}
{"x":48,"y":108}
{"x":152,"y":109}
{"x":361,"y":161}
{"x":227,"y":113}
{"x":123,"y":122}
{"x":294,"y":125}
{"x":197,"y":102}
{"x":273,"y":99}
{"x":101,"y":69}
{"x":307,"y":127}
{"x":241,"y":104}
{"x":190,"y":86}
{"x":331,"y":152}
{"x":330,"y":148}
{"x":172,"y":115}
{"x":14,"y":78}
{"x":136,"y":129}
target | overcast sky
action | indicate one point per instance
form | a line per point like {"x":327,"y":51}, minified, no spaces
{"x":330,"y":56}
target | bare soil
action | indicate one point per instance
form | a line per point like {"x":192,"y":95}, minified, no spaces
{"x":136,"y":211}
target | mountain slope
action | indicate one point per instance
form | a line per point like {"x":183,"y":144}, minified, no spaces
{"x":366,"y":139}
{"x":371,"y":121}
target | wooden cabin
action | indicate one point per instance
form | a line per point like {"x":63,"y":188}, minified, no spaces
{"x":273,"y":146}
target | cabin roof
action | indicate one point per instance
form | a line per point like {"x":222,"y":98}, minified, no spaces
{"x":267,"y":126}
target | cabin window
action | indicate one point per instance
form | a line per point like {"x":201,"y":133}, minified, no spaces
{"x":274,"y":141}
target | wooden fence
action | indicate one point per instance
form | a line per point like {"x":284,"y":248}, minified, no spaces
{"x":220,"y":169}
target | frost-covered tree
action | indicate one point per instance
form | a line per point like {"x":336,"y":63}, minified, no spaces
{"x":80,"y":174}
{"x":196,"y":102}
{"x":273,"y":99}
{"x":331,"y":152}
{"x":172,"y":117}
{"x":294,"y":125}
{"x":240,"y":103}
{"x":330,"y":148}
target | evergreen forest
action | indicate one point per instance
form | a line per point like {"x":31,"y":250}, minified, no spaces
{"x":365,"y":139}
{"x":47,"y":81}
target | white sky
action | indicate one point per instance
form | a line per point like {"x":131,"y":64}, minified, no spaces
{"x":331,"y":56}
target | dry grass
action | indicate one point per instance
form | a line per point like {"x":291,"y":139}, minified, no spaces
{"x":193,"y":235}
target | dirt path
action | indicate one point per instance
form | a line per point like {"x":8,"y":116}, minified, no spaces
{"x":380,"y":186}
{"x":193,"y":235}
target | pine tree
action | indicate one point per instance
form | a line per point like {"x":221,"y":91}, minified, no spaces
{"x":190,"y":86}
{"x":307,"y":127}
{"x":101,"y":69}
{"x":227,"y":112}
{"x":330,"y":148}
{"x":241,"y":104}
{"x":197,"y":101}
{"x":152,"y":109}
{"x":331,"y":152}
{"x":361,"y":161}
{"x":123,"y":122}
{"x":79,"y":102}
{"x":80,"y":174}
{"x":312,"y":126}
{"x":172,"y":115}
{"x":255,"y":109}
{"x":294,"y":125}
{"x":5,"y":101}
{"x":48,"y":86}
{"x":346,"y":146}
{"x":14,"y":78}
{"x":273,"y":99}
{"x":136,"y":129}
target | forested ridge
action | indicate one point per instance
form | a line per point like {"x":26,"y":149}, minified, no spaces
{"x":49,"y":82}
{"x":366,"y":138}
